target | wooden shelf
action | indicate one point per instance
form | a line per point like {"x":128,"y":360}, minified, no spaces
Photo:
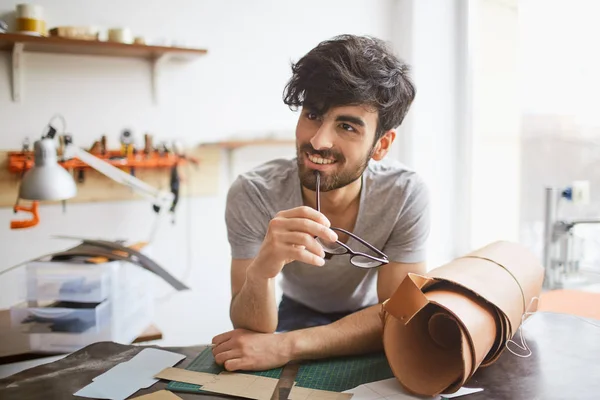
{"x":229,"y":146}
{"x":236,"y":144}
{"x":19,"y":43}
{"x":93,"y":47}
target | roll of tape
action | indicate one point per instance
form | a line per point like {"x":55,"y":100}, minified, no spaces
{"x":120,"y":35}
{"x":30,"y":19}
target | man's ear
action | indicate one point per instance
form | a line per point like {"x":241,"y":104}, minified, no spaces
{"x":383,"y":145}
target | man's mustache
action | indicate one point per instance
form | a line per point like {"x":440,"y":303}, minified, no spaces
{"x":328,"y":153}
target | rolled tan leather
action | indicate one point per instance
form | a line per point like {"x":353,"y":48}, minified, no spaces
{"x":439,"y":328}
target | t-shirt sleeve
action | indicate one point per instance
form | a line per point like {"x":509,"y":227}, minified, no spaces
{"x":246,"y":220}
{"x":408,"y":241}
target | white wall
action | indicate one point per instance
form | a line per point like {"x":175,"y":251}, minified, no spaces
{"x":495,"y":119}
{"x":428,"y":34}
{"x":233,"y":91}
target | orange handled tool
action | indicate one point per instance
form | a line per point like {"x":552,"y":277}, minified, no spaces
{"x":26,"y":223}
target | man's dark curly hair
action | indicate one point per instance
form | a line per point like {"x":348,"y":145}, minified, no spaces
{"x":352,"y":70}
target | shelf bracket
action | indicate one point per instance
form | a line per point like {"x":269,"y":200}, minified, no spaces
{"x":17,"y":68}
{"x":157,"y":62}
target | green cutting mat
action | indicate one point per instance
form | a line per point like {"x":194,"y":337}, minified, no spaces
{"x":336,"y":374}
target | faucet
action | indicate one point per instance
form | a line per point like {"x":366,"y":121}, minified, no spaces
{"x":559,"y":242}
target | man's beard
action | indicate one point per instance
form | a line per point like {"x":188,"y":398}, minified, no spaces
{"x":330,"y":181}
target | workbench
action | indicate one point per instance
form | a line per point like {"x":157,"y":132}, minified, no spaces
{"x":563,"y":365}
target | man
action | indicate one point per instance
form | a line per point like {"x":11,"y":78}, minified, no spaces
{"x":353,"y":93}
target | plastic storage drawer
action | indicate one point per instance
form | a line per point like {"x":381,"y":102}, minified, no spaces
{"x":69,"y":282}
{"x":61,"y":317}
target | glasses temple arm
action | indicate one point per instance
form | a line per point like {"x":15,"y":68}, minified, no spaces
{"x":370,"y":246}
{"x":318,"y":190}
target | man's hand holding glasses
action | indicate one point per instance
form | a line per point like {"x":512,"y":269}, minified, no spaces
{"x":291,"y":236}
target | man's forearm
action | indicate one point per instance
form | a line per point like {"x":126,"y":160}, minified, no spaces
{"x":254,"y":307}
{"x":357,"y":333}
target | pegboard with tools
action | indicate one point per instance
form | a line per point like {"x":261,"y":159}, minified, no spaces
{"x":335,"y":374}
{"x":154,"y":164}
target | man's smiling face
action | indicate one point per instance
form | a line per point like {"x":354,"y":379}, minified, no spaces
{"x":338,"y":143}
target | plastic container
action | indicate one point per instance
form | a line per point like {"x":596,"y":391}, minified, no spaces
{"x":73,"y":304}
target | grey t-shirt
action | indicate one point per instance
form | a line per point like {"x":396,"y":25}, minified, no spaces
{"x":393,"y":216}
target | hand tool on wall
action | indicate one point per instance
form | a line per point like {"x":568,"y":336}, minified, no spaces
{"x":65,"y":141}
{"x":175,"y":181}
{"x":162,"y":149}
{"x":27,"y":223}
{"x":96,"y":148}
{"x":25,"y":145}
{"x":99,"y":146}
{"x":127,"y":148}
{"x":175,"y":184}
{"x":25,"y":149}
{"x":126,"y":143}
{"x":148,"y":149}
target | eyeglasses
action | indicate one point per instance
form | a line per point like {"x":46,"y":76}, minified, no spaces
{"x":337,"y":248}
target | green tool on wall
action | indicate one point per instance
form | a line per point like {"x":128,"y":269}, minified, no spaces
{"x":334,"y":374}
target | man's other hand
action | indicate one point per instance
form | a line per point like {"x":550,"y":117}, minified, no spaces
{"x":245,"y":350}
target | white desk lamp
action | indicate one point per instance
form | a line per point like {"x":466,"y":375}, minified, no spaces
{"x":47,"y":180}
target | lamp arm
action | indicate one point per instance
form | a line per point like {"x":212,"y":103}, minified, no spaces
{"x":159,"y":197}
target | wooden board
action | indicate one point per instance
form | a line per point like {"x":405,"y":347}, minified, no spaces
{"x":236,"y":144}
{"x":201,"y":180}
{"x":94,"y":47}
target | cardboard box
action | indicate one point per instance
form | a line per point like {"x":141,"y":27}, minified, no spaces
{"x":12,"y":341}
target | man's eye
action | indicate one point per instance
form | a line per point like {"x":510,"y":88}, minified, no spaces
{"x":347,"y":127}
{"x":311,"y":115}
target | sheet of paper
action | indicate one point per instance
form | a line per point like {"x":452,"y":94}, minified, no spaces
{"x":390,"y":389}
{"x":301,"y":393}
{"x":463,"y":391}
{"x":160,"y":395}
{"x":126,"y":378}
{"x":186,"y":376}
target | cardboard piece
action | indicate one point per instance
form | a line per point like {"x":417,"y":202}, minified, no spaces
{"x":12,"y":341}
{"x":160,"y":395}
{"x":242,"y":385}
{"x":186,"y":376}
{"x":439,"y":328}
{"x":245,"y":385}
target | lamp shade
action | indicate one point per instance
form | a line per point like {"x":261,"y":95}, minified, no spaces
{"x":47,"y":180}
